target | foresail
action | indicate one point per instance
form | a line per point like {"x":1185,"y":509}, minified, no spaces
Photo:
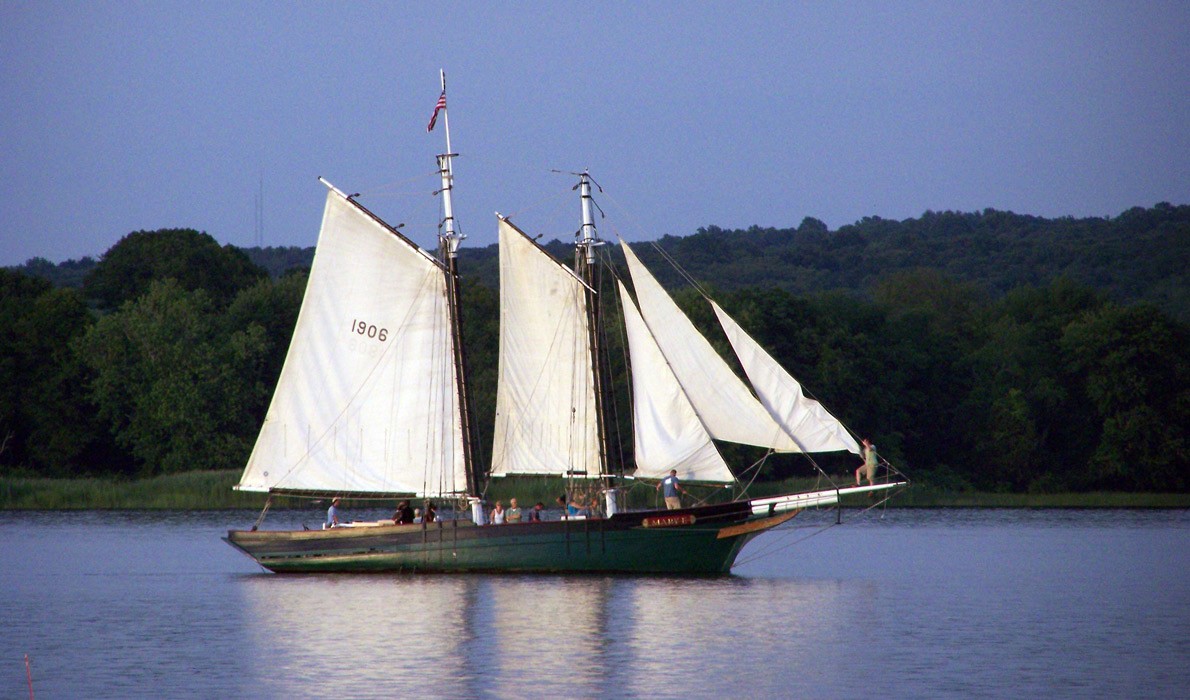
{"x":724,"y":405}
{"x":806,"y":421}
{"x":667,"y":433}
{"x":545,"y":398}
{"x":367,"y":399}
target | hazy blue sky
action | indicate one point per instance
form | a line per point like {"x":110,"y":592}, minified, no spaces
{"x":116,"y":117}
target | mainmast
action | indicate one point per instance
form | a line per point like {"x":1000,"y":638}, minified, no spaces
{"x":584,"y":263}
{"x":449,"y":239}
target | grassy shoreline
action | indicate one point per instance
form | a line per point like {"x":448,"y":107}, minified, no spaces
{"x":211,"y":490}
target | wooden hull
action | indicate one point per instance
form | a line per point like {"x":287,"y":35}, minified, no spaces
{"x":687,"y":541}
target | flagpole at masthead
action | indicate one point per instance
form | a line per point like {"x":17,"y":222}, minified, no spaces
{"x":449,"y":233}
{"x":445,"y":112}
{"x":449,"y":240}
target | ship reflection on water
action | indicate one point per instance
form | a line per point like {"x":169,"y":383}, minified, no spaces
{"x":532,"y":636}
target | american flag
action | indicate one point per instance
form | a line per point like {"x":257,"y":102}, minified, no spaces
{"x":441,"y":105}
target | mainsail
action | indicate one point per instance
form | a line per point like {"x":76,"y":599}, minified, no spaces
{"x":367,"y":400}
{"x":545,"y":401}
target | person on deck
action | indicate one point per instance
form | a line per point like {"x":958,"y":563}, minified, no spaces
{"x":332,"y":515}
{"x":673,"y":487}
{"x":431,"y":513}
{"x":498,"y":514}
{"x":404,"y":514}
{"x":513,"y":514}
{"x":868,"y":468}
{"x":570,"y":508}
{"x":535,"y":512}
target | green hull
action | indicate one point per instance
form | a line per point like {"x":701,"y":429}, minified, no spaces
{"x":688,"y":541}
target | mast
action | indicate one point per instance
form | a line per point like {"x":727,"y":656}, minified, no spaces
{"x":584,"y":263}
{"x":449,"y":239}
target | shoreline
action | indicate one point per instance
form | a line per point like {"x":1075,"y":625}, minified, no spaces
{"x":211,"y":490}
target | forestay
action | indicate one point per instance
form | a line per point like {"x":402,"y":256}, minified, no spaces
{"x":667,"y":433}
{"x":723,"y":402}
{"x":545,"y":401}
{"x":367,"y":399}
{"x":804,"y":419}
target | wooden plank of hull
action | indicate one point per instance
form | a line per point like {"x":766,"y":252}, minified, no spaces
{"x":620,"y":544}
{"x":755,"y":527}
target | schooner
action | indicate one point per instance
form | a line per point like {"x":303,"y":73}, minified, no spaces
{"x":372,"y":402}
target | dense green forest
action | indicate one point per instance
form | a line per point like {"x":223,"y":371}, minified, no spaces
{"x":986,"y":351}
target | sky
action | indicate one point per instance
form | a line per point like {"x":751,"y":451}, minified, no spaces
{"x":124,"y":116}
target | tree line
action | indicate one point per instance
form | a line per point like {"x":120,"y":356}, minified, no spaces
{"x":1140,"y":255}
{"x":161,"y":357}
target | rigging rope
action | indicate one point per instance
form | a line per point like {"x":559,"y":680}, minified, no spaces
{"x":387,"y":189}
{"x":757,"y":465}
{"x":773,"y":548}
{"x":681,"y":270}
{"x":607,"y":264}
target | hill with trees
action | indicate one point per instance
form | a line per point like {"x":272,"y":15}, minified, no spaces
{"x":986,"y":350}
{"x":1140,"y":255}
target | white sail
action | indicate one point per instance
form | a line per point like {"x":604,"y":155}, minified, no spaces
{"x":545,"y":399}
{"x":804,"y":419}
{"x":723,"y":402}
{"x":667,"y":432}
{"x":367,"y":400}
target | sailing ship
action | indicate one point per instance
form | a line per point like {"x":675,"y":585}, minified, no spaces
{"x":372,"y":402}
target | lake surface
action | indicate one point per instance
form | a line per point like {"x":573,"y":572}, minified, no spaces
{"x":905,"y":604}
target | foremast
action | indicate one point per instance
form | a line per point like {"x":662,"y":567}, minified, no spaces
{"x":449,"y":239}
{"x":584,"y":263}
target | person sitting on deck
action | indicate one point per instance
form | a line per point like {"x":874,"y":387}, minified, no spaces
{"x":404,"y":514}
{"x":535,"y":512}
{"x":332,"y":515}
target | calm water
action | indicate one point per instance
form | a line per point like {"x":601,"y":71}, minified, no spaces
{"x":914,"y":604}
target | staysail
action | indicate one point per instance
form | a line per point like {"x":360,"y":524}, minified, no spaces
{"x":667,"y":433}
{"x":723,"y":402}
{"x":804,"y":419}
{"x":545,"y":399}
{"x":367,"y":400}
